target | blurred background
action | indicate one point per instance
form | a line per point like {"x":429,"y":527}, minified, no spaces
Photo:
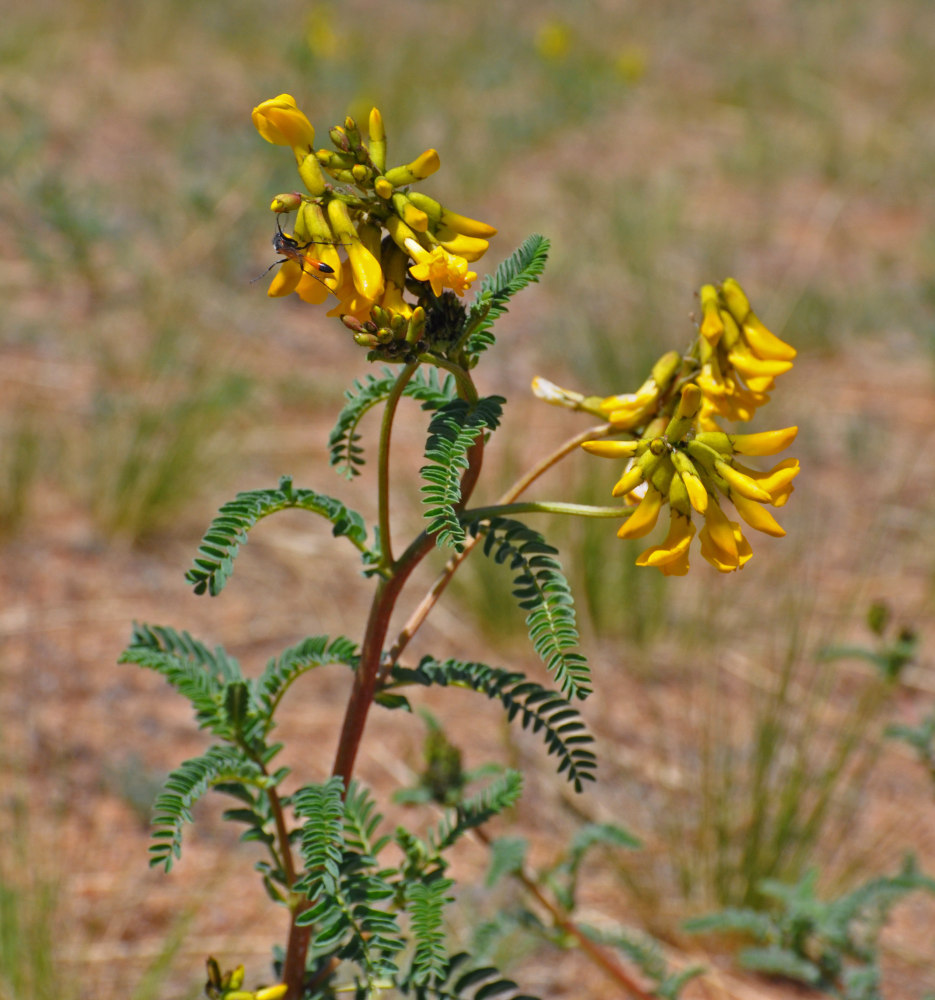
{"x":144,"y":380}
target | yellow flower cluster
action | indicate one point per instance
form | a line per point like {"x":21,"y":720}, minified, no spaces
{"x":677,"y":454}
{"x":740,"y":359}
{"x":393,"y":238}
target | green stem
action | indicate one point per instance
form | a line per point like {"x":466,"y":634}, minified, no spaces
{"x":466,"y":388}
{"x":543,"y":507}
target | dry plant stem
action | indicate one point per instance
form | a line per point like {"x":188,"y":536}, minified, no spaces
{"x":600,"y":956}
{"x":428,"y":602}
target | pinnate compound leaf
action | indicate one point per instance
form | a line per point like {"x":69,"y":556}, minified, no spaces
{"x":481,"y":983}
{"x":453,"y":430}
{"x":425,"y":903}
{"x":343,"y":884}
{"x":185,"y":785}
{"x":347,"y":456}
{"x":200,"y":674}
{"x":475,"y":810}
{"x":540,"y":589}
{"x":214,"y":562}
{"x":521,"y":268}
{"x":537,"y":708}
{"x":322,"y":809}
{"x":292,"y":663}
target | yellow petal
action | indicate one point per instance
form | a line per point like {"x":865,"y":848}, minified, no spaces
{"x":280,"y":121}
{"x":697,"y":494}
{"x":312,"y":290}
{"x":673,"y":551}
{"x":721,"y":561}
{"x":285,"y":280}
{"x":757,"y":516}
{"x":764,"y":443}
{"x":739,"y":483}
{"x":764,"y":343}
{"x":469,"y":247}
{"x":720,"y":532}
{"x":611,"y":449}
{"x":712,"y":326}
{"x":643,"y":519}
{"x":631,"y":478}
{"x":751,"y":366}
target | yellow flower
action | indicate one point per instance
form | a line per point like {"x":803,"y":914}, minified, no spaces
{"x":350,"y":300}
{"x":722,"y":542}
{"x":440,"y":269}
{"x":643,"y":519}
{"x":280,"y":121}
{"x":671,"y":557}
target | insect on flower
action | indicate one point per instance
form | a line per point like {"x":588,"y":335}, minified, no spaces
{"x":289,"y":248}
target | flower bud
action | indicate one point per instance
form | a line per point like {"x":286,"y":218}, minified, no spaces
{"x":414,"y":217}
{"x":377,"y":140}
{"x":280,"y":121}
{"x":421,"y":167}
{"x":284,"y":203}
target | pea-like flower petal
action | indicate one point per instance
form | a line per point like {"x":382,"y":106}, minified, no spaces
{"x":280,"y":121}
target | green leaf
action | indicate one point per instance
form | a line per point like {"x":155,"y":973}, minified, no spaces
{"x":606,"y":834}
{"x":347,"y":456}
{"x":361,"y":821}
{"x":214,"y":562}
{"x":475,"y":984}
{"x":646,"y":954}
{"x":292,"y":663}
{"x":539,"y":709}
{"x":732,"y":921}
{"x":425,"y":902}
{"x":540,"y":588}
{"x":342,"y":882}
{"x":520,"y":269}
{"x":775,"y":961}
{"x":452,"y":431}
{"x":322,"y":842}
{"x":476,"y":810}
{"x":185,"y":785}
{"x":507,"y":856}
{"x":200,"y":674}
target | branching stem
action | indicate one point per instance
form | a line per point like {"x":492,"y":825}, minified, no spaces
{"x":600,"y":956}
{"x":428,"y":602}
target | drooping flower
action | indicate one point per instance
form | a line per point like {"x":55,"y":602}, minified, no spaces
{"x":671,"y":556}
{"x":674,"y":451}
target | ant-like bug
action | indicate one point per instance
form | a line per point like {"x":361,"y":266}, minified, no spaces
{"x":290,"y":249}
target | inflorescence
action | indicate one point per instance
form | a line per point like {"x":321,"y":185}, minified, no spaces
{"x":364,"y":236}
{"x":675,"y":451}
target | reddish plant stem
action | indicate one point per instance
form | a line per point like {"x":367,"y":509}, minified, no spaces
{"x":599,"y":955}
{"x":361,"y":698}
